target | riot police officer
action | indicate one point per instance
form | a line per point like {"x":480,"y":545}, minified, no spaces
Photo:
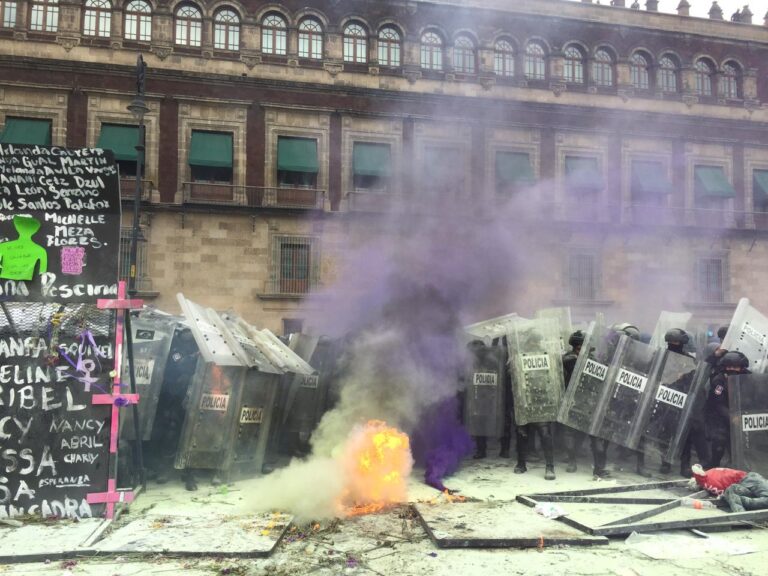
{"x":676,"y":340}
{"x":575,"y":438}
{"x":716,"y":409}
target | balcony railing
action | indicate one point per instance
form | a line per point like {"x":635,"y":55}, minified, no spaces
{"x":128,"y":188}
{"x":252,"y":196}
{"x":369,"y":201}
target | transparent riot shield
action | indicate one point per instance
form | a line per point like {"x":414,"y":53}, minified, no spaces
{"x":587,"y":387}
{"x":255,"y":418}
{"x":307,"y":395}
{"x":152,"y":336}
{"x":748,"y":333}
{"x":213,"y":410}
{"x":674,"y":393}
{"x":563,"y":317}
{"x":619,"y":416}
{"x":214,"y":396}
{"x":493,"y":328}
{"x":484,"y":399}
{"x":748,"y":402}
{"x":667,"y":321}
{"x":537,"y":369}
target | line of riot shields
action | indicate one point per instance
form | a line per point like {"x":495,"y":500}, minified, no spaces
{"x":218,"y":394}
{"x":634,"y":394}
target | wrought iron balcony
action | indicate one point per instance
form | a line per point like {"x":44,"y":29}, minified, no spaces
{"x":252,"y":196}
{"x":128,"y":188}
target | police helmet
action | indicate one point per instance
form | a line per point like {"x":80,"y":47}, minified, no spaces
{"x":721,"y":332}
{"x":734,"y":359}
{"x":629,"y":329}
{"x":676,"y":336}
{"x":576,"y":339}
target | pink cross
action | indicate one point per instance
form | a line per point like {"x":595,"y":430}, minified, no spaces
{"x":117,"y":400}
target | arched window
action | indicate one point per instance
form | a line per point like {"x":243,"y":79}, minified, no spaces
{"x":464,"y":55}
{"x":730,"y":80}
{"x":310,"y":39}
{"x":355,"y":43}
{"x":98,"y":18}
{"x":535,"y":61}
{"x":667,"y":78}
{"x":638,"y":71}
{"x":274,"y":34}
{"x":226,"y":30}
{"x":704,"y":72}
{"x":189,"y":23}
{"x":44,"y":16}
{"x":389,"y":47}
{"x":138,"y":21}
{"x":7,"y":13}
{"x":503,"y":58}
{"x":573,"y":67}
{"x":431,"y":51}
{"x":602,"y":68}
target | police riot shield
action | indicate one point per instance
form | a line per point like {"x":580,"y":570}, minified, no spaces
{"x":493,"y":328}
{"x":152,"y":335}
{"x":618,"y":416}
{"x":214,"y":396}
{"x":748,"y":333}
{"x":484,"y":399}
{"x":537,"y":369}
{"x":563,"y":317}
{"x":587,"y":386}
{"x":307,"y":397}
{"x":675,"y":393}
{"x":667,"y":321}
{"x":255,"y":414}
{"x":748,"y":402}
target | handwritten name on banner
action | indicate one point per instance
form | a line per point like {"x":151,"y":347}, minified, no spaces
{"x":59,"y":224}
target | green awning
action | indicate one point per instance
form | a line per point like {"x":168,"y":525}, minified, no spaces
{"x":650,"y":178}
{"x":583,"y":173}
{"x":26,"y":131}
{"x":514,"y":168}
{"x":297,"y":154}
{"x":760,"y":184}
{"x":122,"y":140}
{"x":211,"y":149}
{"x":370,"y":159}
{"x":711,"y":181}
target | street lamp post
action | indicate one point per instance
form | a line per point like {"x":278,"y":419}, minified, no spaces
{"x":138,"y":108}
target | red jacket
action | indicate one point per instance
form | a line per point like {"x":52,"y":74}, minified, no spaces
{"x":716,"y":480}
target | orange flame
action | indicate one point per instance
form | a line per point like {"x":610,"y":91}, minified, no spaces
{"x":377,"y":461}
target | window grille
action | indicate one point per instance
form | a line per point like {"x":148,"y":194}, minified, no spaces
{"x":711,"y":277}
{"x":582,"y":277}
{"x":142,"y":268}
{"x":295,"y":261}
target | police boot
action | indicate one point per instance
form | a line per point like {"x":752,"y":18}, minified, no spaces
{"x":571,"y":467}
{"x":640,"y":469}
{"x":665,"y":468}
{"x":189,"y":481}
{"x":549,"y":473}
{"x":521,"y":468}
{"x":504,"y":450}
{"x":480,"y":447}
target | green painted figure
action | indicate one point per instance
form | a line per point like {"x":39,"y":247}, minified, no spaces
{"x":18,"y":258}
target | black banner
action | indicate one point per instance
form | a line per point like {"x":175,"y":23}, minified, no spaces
{"x":54,"y":442}
{"x":59,"y":224}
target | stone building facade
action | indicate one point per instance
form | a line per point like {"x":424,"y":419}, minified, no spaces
{"x":279,"y":134}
